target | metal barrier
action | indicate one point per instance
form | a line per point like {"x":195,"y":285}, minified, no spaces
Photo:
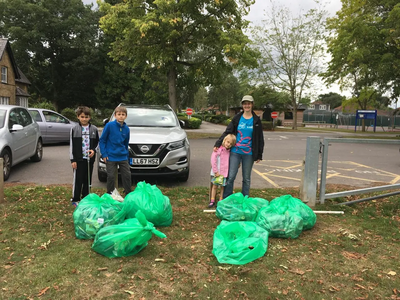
{"x":324,"y":167}
{"x":309,"y":185}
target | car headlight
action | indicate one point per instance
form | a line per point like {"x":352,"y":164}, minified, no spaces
{"x":176,"y":145}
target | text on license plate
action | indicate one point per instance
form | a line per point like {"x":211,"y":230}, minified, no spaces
{"x":144,"y":161}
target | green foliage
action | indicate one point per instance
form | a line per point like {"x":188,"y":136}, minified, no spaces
{"x":54,"y":44}
{"x":267,"y":125}
{"x":332,"y":99}
{"x":192,"y":123}
{"x":373,"y":60}
{"x":194,"y":44}
{"x":216,"y":119}
{"x":70,"y":114}
{"x":44,"y":104}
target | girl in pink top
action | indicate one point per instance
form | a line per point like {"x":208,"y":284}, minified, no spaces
{"x":220,"y":167}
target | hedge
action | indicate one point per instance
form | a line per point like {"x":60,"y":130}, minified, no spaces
{"x":192,"y":123}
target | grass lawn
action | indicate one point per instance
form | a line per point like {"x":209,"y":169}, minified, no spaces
{"x":350,"y":256}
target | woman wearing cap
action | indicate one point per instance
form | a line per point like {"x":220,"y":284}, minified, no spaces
{"x":249,"y":147}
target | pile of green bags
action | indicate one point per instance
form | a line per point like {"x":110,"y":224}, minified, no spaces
{"x":122,"y":228}
{"x":239,"y":243}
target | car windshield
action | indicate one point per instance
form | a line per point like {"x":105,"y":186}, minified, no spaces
{"x":2,"y":117}
{"x":148,"y":117}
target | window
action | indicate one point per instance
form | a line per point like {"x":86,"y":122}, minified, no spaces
{"x":22,"y":101}
{"x":312,"y":106}
{"x":322,"y":107}
{"x":288,"y":115}
{"x":4,"y":100}
{"x":4,"y":74}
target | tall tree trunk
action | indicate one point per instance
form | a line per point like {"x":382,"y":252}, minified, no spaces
{"x":172,"y":87}
{"x":294,"y":118}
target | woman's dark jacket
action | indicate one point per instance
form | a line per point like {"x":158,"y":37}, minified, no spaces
{"x":257,"y":138}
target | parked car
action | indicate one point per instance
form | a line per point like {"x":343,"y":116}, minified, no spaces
{"x":20,"y":137}
{"x":55,"y":128}
{"x":158,"y":146}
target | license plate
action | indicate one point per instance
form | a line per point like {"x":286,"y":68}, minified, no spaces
{"x":144,"y":161}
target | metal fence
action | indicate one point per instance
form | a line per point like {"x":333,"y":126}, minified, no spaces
{"x":331,"y":117}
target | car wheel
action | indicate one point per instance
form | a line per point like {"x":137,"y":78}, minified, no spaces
{"x":102,"y":176}
{"x":6,"y":163}
{"x":185,"y":177}
{"x":39,"y":152}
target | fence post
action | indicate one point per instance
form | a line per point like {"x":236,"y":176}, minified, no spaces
{"x":1,"y":180}
{"x":308,"y":190}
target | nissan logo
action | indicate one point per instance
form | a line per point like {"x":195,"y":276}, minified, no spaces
{"x":144,"y":149}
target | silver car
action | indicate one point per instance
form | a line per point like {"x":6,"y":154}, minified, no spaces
{"x":55,"y":128}
{"x":158,"y":145}
{"x":20,"y":137}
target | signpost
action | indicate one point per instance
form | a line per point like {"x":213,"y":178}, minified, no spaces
{"x":274,"y":114}
{"x":189,"y":112}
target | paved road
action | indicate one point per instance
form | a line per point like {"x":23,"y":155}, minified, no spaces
{"x":353,"y":164}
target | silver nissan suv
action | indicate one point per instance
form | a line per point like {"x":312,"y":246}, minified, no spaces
{"x":158,"y":145}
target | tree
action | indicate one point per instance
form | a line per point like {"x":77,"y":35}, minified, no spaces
{"x":54,"y":42}
{"x":200,"y":99}
{"x":290,"y":47}
{"x":364,"y":47}
{"x":332,"y":99}
{"x":226,"y":94}
{"x":201,"y":39}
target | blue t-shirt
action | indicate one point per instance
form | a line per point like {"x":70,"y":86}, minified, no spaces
{"x":243,"y":138}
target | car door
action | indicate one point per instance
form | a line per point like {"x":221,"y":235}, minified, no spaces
{"x":19,"y":141}
{"x":58,"y":127}
{"x":38,"y":117}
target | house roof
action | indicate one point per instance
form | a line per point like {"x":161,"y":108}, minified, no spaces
{"x":5,"y":46}
{"x":21,"y":92}
{"x":23,"y":78}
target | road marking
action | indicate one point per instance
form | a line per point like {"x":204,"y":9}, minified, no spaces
{"x":266,"y":178}
{"x":271,"y":168}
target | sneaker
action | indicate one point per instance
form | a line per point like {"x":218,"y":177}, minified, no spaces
{"x":211,"y":204}
{"x":75,"y":204}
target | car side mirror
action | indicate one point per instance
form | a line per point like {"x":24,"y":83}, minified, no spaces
{"x":105,"y":121}
{"x":182,"y":123}
{"x":17,"y":127}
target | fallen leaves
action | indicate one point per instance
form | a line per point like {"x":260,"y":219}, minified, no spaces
{"x":353,"y":255}
{"x":42,"y":292}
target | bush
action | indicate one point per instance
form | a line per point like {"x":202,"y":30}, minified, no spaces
{"x":227,"y":121}
{"x":278,"y":122}
{"x":44,"y":104}
{"x":70,"y":114}
{"x":192,"y":123}
{"x":217,"y":119}
{"x":267,"y":125}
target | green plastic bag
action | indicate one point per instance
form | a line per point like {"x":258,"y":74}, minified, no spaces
{"x":237,"y":207}
{"x":94,"y":213}
{"x":307,"y":214}
{"x":125,"y":239}
{"x":280,"y":222}
{"x":153,"y":204}
{"x":239,"y":243}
